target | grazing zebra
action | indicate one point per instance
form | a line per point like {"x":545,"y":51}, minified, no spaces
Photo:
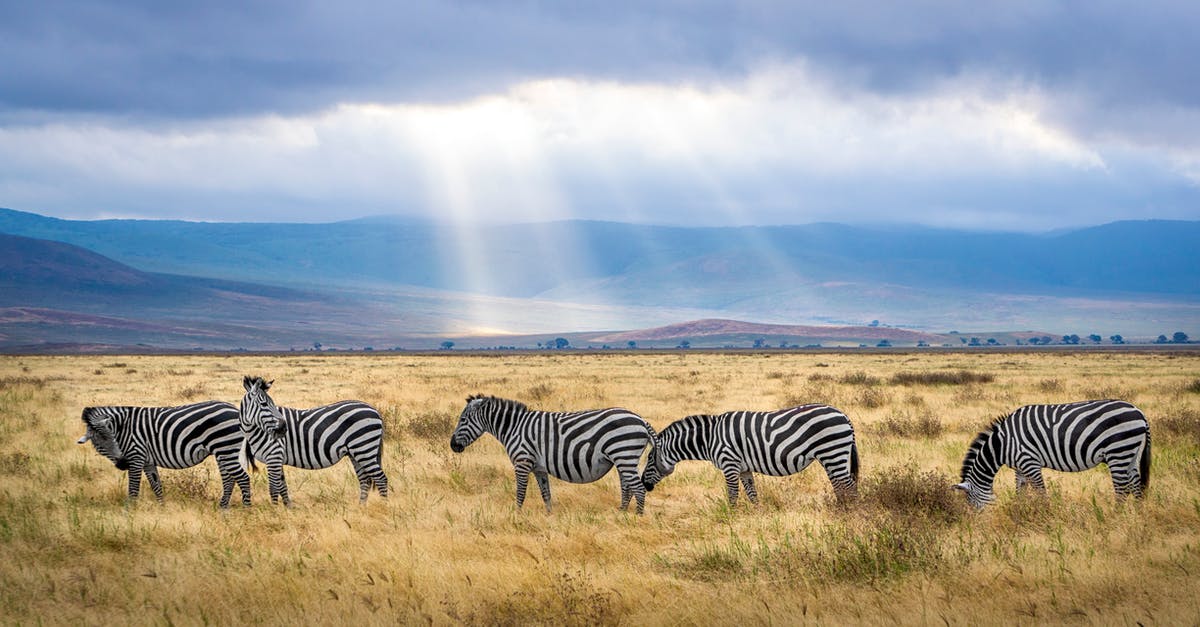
{"x":1071,"y":437}
{"x":142,"y":439}
{"x":579,"y":447}
{"x":311,"y":438}
{"x":776,"y":443}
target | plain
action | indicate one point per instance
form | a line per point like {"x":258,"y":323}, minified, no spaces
{"x":450,"y":546}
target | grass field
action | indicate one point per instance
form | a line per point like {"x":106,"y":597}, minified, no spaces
{"x":450,"y":546}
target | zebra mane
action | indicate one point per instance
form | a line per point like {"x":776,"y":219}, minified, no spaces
{"x":263,"y":384}
{"x":977,"y":445}
{"x":495,"y":400}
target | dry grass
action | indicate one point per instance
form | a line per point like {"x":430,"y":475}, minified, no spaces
{"x":450,"y":547}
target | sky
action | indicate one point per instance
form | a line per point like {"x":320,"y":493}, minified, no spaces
{"x":995,"y":115}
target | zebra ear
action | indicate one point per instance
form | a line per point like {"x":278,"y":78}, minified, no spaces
{"x":961,"y":486}
{"x":246,"y":382}
{"x":82,"y":440}
{"x":267,"y":385}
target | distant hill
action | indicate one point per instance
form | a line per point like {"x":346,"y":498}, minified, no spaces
{"x":725,"y":328}
{"x":385,"y":280}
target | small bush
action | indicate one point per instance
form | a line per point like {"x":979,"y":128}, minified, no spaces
{"x":1050,"y":385}
{"x":960,"y":377}
{"x":873,"y":397}
{"x":115,"y":364}
{"x":35,"y":382}
{"x":14,"y":463}
{"x":539,"y":392}
{"x":911,"y":493}
{"x":432,"y":426}
{"x":189,"y":483}
{"x":1183,"y":422}
{"x":818,"y":376}
{"x":1193,"y":387}
{"x":859,"y":378}
{"x":192,"y":391}
{"x":903,"y":425}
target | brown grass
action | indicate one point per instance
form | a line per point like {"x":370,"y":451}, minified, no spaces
{"x":450,"y":547}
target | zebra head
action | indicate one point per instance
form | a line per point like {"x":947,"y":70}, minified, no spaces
{"x":979,"y":468}
{"x":471,"y":424}
{"x":661,"y":461}
{"x":101,"y":431}
{"x":258,"y":410}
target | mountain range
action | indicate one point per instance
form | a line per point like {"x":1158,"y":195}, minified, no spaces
{"x":385,"y":282}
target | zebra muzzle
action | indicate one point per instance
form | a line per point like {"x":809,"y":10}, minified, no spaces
{"x":455,"y":446}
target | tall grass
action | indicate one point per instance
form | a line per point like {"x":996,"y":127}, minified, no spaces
{"x":449,"y":546}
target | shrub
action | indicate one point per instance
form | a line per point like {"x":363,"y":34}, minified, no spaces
{"x":192,"y":391}
{"x":873,"y":397}
{"x":859,"y":378}
{"x":1194,"y":386}
{"x":924,"y":425}
{"x":191,"y":483}
{"x":1183,"y":422}
{"x":960,"y":377}
{"x":911,"y":493}
{"x":431,"y":426}
{"x":539,"y":392}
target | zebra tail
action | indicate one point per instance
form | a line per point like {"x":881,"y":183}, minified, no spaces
{"x":246,"y":457}
{"x":854,"y":462}
{"x":1144,"y":465}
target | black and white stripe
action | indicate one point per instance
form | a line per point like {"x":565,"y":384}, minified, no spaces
{"x":1071,"y":438}
{"x":143,"y":439}
{"x":777,"y":443}
{"x":311,"y":438}
{"x":579,"y":447}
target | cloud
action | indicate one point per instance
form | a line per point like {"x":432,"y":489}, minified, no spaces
{"x":785,"y":144}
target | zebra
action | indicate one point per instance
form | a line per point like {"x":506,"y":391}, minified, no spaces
{"x":311,"y":438}
{"x":142,"y":439}
{"x":579,"y":447}
{"x":776,"y":443}
{"x":1070,"y":437}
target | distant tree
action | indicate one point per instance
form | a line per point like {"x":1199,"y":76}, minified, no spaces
{"x":1162,"y":339}
{"x":758,"y":343}
{"x":1096,"y":339}
{"x":539,"y":344}
{"x":316,"y":346}
{"x":1179,"y":337}
{"x":884,"y":343}
{"x":631,"y":344}
{"x":974,"y":342}
{"x":783,"y":344}
{"x":922,"y":344}
{"x":1046,"y":339}
{"x":561,"y":343}
{"x":991,"y":341}
{"x":963,"y":340}
{"x":1035,"y":340}
{"x":684,"y":344}
{"x":874,"y":323}
{"x":1116,"y":339}
{"x":1070,"y":339}
{"x":447,"y":345}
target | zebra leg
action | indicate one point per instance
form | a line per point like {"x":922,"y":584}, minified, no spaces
{"x":243,"y":481}
{"x":369,"y":473}
{"x":748,"y":484}
{"x":838,"y":469}
{"x":278,"y":483}
{"x":1029,"y":476}
{"x":381,"y":481}
{"x":731,"y":484}
{"x":543,"y":481}
{"x":155,"y":483}
{"x":521,"y":469}
{"x":135,"y":480}
{"x":1125,"y":478}
{"x":631,"y":483}
{"x":228,"y":473}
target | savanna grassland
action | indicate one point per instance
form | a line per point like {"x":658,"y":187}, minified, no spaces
{"x":450,"y":546}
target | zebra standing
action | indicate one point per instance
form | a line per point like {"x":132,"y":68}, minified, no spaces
{"x":777,"y":443}
{"x":579,"y":447}
{"x":311,"y":438}
{"x":141,"y":439}
{"x":1071,"y":437}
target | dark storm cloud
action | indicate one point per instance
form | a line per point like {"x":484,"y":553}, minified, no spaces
{"x":221,"y":58}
